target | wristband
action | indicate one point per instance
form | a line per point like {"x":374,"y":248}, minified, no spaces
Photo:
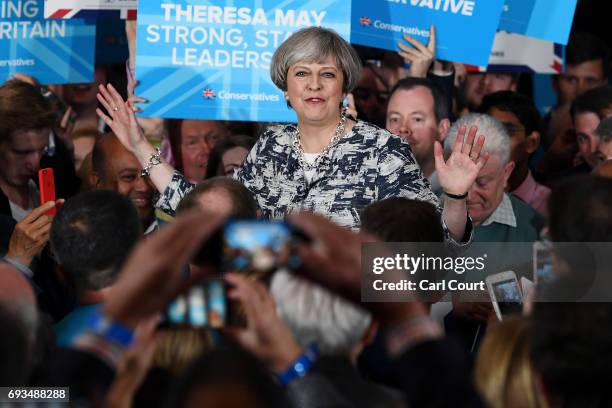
{"x":301,"y":366}
{"x":154,"y":160}
{"x":457,"y":196}
{"x":110,"y":329}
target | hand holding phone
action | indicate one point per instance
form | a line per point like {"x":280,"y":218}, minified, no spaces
{"x":505,"y":293}
{"x":46,"y":184}
{"x":258,"y":248}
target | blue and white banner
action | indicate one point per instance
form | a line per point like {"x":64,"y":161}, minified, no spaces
{"x":52,"y":51}
{"x":549,"y":20}
{"x":464,"y":28}
{"x":517,"y":53}
{"x":201,"y":61}
{"x":125,"y":9}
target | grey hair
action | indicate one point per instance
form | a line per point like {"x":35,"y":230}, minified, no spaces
{"x":604,"y":130}
{"x":314,"y":314}
{"x":497,"y":140}
{"x":316,"y":44}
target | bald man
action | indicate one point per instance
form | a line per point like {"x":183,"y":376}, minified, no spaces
{"x":115,"y":168}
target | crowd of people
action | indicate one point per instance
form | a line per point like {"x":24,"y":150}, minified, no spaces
{"x":429,"y":153}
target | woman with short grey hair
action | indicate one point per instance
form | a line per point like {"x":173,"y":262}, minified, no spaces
{"x":328,"y":163}
{"x":316,"y":44}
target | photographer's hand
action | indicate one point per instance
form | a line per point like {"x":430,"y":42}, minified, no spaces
{"x":152,"y":275}
{"x":266,"y":335}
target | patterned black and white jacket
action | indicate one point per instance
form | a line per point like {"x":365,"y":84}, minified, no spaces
{"x":367,"y":165}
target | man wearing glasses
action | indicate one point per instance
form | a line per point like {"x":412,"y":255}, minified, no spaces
{"x":521,"y":119}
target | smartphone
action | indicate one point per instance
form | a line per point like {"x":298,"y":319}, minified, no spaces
{"x":505,"y":294}
{"x":203,"y":306}
{"x":259,"y":247}
{"x":542,"y":263}
{"x":253,"y":247}
{"x":46,"y":184}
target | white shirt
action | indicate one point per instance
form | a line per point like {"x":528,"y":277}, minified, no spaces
{"x":19,"y":213}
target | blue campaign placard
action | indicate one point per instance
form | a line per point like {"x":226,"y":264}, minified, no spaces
{"x":516,"y":15}
{"x":196,"y":60}
{"x":52,"y":51}
{"x":465,"y":29}
{"x":549,"y":20}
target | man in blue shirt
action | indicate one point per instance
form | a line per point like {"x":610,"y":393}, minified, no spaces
{"x":91,"y":236}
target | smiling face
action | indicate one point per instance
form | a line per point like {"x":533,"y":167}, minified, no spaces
{"x":315,"y":91}
{"x":121,"y":173}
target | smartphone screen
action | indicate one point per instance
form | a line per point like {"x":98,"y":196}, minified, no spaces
{"x":46,"y":185}
{"x":259,"y":247}
{"x":204,"y":305}
{"x":217,"y":304}
{"x":508,"y":296}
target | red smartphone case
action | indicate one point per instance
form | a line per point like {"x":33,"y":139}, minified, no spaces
{"x":46,"y":184}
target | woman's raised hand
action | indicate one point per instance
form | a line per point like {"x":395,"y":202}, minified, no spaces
{"x":120,"y":118}
{"x":458,"y":173}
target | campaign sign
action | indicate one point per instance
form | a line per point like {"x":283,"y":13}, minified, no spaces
{"x":125,"y":9}
{"x":514,"y":52}
{"x":549,"y":20}
{"x":199,"y":61}
{"x":517,"y":53}
{"x":465,"y":29}
{"x":52,"y":51}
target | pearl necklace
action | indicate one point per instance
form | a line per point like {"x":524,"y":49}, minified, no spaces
{"x":333,"y":142}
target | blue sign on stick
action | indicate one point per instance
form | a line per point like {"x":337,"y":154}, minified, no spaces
{"x":465,"y":29}
{"x":196,"y":60}
{"x":549,"y":20}
{"x":52,"y":51}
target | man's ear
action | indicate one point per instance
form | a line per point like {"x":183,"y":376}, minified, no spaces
{"x":95,"y":180}
{"x":533,"y":141}
{"x":443,"y":128}
{"x":508,"y":168}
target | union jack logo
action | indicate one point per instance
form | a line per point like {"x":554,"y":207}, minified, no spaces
{"x":365,"y":21}
{"x":208,"y":93}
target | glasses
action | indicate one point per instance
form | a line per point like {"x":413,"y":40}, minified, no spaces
{"x":365,"y":93}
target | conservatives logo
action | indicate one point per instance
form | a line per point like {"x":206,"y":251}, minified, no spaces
{"x":208,"y":93}
{"x":365,"y":21}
